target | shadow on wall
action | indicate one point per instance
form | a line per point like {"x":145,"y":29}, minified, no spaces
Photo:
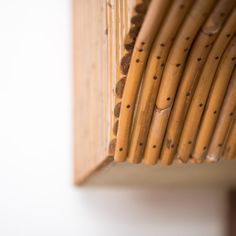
{"x":158,"y":212}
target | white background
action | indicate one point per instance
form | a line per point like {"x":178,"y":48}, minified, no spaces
{"x":37,"y":197}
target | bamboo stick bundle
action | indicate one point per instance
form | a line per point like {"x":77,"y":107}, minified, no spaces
{"x":194,"y":115}
{"x":195,"y":63}
{"x":123,"y":34}
{"x":171,"y":76}
{"x":224,"y":122}
{"x":152,"y":77}
{"x":230,"y":146}
{"x":153,"y":19}
{"x":213,"y":106}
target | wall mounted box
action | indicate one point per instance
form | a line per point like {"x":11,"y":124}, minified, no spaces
{"x":154,"y":83}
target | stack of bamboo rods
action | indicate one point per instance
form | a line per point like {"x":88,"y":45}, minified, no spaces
{"x":176,"y":87}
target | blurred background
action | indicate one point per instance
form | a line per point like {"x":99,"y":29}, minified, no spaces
{"x":37,"y":196}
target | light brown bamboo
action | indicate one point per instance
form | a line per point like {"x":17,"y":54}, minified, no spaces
{"x":153,"y":19}
{"x":213,"y":106}
{"x":196,"y":109}
{"x":152,"y":77}
{"x":176,"y":59}
{"x":120,"y":56}
{"x":196,"y":60}
{"x":172,"y":74}
{"x":224,"y":122}
{"x":230,"y":146}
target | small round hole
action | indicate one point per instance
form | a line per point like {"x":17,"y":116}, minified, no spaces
{"x":187,"y":38}
{"x":155,"y":77}
{"x":188,"y":94}
{"x":204,"y":148}
{"x":231,"y":113}
{"x":190,"y":142}
{"x":178,"y":65}
{"x":162,"y":64}
{"x":140,"y":144}
{"x":143,"y":43}
{"x":140,"y":50}
{"x":210,"y":34}
{"x":168,"y":99}
{"x":158,"y":57}
{"x":228,"y":35}
{"x":154,"y":146}
{"x":233,"y":58}
{"x":121,"y":149}
{"x":199,"y":59}
{"x":172,"y":146}
{"x":137,"y":60}
{"x":162,"y":45}
{"x":215,"y":112}
{"x":206,"y":46}
{"x":220,"y":145}
{"x":186,"y":49}
{"x":222,"y":14}
{"x":216,"y":57}
{"x":128,"y":106}
{"x":200,"y":105}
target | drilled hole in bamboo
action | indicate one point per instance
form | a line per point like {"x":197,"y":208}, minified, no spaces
{"x":178,"y":65}
{"x":158,"y":57}
{"x":128,"y":106}
{"x":222,"y":14}
{"x":155,"y":77}
{"x":216,"y":58}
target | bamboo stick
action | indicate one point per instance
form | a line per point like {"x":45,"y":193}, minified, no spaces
{"x":153,"y":19}
{"x":195,"y":111}
{"x":195,"y":63}
{"x":152,"y":77}
{"x":213,"y":106}
{"x":225,"y":120}
{"x":171,"y":76}
{"x":230,"y":146}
